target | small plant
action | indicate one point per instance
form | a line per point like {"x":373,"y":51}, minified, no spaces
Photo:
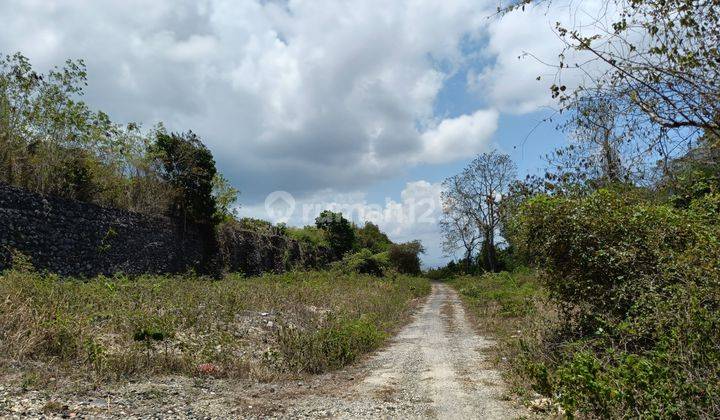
{"x":20,"y":261}
{"x":105,"y":241}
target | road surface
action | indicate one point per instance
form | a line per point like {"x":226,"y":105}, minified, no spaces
{"x":434,"y":368}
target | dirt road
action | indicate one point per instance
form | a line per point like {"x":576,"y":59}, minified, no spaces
{"x":433,"y":368}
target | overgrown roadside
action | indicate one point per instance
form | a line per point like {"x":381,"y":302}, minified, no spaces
{"x":512,"y":309}
{"x":70,"y":336}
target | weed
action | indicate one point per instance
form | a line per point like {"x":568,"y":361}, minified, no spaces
{"x":263,"y":326}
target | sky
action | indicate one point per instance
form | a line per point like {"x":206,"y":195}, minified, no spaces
{"x":360,"y":106}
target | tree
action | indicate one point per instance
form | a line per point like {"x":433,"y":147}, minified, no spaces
{"x":339,"y":231}
{"x":51,"y":141}
{"x":476,"y":194}
{"x":189,"y":167}
{"x":371,"y":237}
{"x":656,"y":62}
{"x":405,"y":257}
{"x":459,"y":230}
{"x":225,"y":196}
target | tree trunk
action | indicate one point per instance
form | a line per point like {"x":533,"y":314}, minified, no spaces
{"x":490,"y":257}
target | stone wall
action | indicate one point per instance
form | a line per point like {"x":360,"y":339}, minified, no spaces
{"x":253,"y":253}
{"x":73,"y":238}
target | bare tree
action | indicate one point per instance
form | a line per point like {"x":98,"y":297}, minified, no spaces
{"x":459,"y":230}
{"x":655,"y":62}
{"x":477,"y":193}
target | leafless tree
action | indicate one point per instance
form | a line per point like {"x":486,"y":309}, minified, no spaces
{"x":656,"y":62}
{"x":477,"y":193}
{"x":459,"y":230}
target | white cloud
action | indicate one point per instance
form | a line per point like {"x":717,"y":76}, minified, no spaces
{"x":524,"y":45}
{"x":307,"y":96}
{"x":301,"y":94}
{"x":459,"y":137}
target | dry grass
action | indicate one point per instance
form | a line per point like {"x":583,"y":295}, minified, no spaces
{"x":262,"y":327}
{"x":513,"y":309}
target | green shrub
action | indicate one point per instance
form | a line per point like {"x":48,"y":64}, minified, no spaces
{"x":308,"y":235}
{"x":339,"y":232}
{"x":371,"y":237}
{"x":123,"y":327}
{"x":405,"y":257}
{"x":638,"y":285}
{"x":601,"y":252}
{"x":331,"y":346}
{"x":364,"y":262}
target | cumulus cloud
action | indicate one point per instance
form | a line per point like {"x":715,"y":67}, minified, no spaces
{"x":308,"y":96}
{"x":523,"y":46}
{"x":459,"y":137}
{"x":300,"y":95}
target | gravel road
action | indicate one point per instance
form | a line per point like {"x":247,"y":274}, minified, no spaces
{"x":433,"y":368}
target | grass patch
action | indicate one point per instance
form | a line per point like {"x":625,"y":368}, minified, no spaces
{"x":118,"y":327}
{"x":513,"y":309}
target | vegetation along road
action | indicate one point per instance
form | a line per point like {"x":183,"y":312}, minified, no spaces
{"x":434,"y":367}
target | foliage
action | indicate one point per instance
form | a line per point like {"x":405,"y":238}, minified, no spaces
{"x":511,"y":294}
{"x":309,"y":235}
{"x":655,"y":63}
{"x":448,"y":272}
{"x":189,"y":168}
{"x":695,"y":174}
{"x":330,"y":347}
{"x":225,"y":197}
{"x":339,"y":232}
{"x":364,"y":262}
{"x":371,"y":237}
{"x":405,"y":257}
{"x":256,"y":225}
{"x":636,"y":281}
{"x":51,"y":142}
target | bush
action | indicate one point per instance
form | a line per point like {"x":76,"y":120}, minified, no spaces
{"x":330,"y":347}
{"x":638,"y":285}
{"x":603,"y":251}
{"x":371,"y":237}
{"x":364,"y":262}
{"x":189,"y":168}
{"x":405,"y":257}
{"x":339,"y":232}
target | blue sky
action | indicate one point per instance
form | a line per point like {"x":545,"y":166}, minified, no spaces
{"x":359,"y":105}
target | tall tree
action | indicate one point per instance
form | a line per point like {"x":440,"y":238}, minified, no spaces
{"x":459,"y":230}
{"x":189,"y":167}
{"x":478,"y":191}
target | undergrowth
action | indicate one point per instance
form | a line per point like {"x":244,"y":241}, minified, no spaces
{"x":261,"y":327}
{"x":622,"y":320}
{"x":513,"y":309}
